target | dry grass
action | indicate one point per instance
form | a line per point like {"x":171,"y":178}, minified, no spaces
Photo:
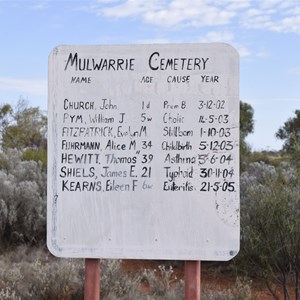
{"x":32,"y":273}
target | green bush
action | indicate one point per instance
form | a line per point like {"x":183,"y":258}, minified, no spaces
{"x":270,"y":226}
{"x":44,"y":278}
{"x":23,"y":186}
{"x":37,"y":155}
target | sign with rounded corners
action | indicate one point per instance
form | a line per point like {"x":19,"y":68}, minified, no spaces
{"x":143,"y":152}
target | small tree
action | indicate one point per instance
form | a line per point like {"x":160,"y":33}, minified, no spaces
{"x":246,"y":120}
{"x":246,"y":127}
{"x":5,"y":118}
{"x":290,"y":132}
{"x":24,"y":128}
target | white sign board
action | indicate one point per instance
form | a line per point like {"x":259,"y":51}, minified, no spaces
{"x":143,"y":152}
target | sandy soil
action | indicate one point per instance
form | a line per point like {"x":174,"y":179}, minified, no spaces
{"x":212,"y":278}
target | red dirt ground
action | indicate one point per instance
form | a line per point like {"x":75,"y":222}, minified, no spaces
{"x":211,"y":277}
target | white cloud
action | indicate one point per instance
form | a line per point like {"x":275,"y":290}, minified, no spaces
{"x":272,"y":15}
{"x":225,"y":37}
{"x":259,"y":21}
{"x":35,"y":87}
{"x":129,"y":8}
{"x":183,"y":13}
{"x":263,"y":53}
{"x":291,"y":24}
{"x":108,"y":1}
{"x":243,"y":51}
{"x":40,"y":5}
{"x":154,"y":41}
{"x":222,"y":19}
{"x":294,"y":71}
{"x":253,"y":12}
{"x":218,"y":36}
{"x":265,"y":4}
{"x":238,"y":5}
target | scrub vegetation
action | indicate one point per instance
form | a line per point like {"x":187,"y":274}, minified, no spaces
{"x":270,"y":223}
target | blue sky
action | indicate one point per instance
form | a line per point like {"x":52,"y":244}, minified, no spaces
{"x":266,"y":33}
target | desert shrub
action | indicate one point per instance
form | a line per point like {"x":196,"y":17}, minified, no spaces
{"x":270,"y":231}
{"x":57,"y":280}
{"x":8,"y":294}
{"x":23,"y":187}
{"x":163,"y":283}
{"x":268,"y":157}
{"x":257,"y":177}
{"x":115,"y":284}
{"x":241,"y":290}
{"x":29,"y":273}
{"x":160,"y":284}
{"x":3,"y":216}
{"x":44,"y":278}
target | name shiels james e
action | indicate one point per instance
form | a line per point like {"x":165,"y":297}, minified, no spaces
{"x":103,"y":150}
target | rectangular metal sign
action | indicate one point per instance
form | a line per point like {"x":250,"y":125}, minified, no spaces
{"x":143,"y":152}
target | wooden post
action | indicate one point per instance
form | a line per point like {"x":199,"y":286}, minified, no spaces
{"x":192,"y":270}
{"x":92,"y":279}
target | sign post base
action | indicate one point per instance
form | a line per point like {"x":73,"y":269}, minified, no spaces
{"x":92,"y":279}
{"x":192,"y":270}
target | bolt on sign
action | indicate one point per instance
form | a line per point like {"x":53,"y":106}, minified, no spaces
{"x":143,"y":152}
